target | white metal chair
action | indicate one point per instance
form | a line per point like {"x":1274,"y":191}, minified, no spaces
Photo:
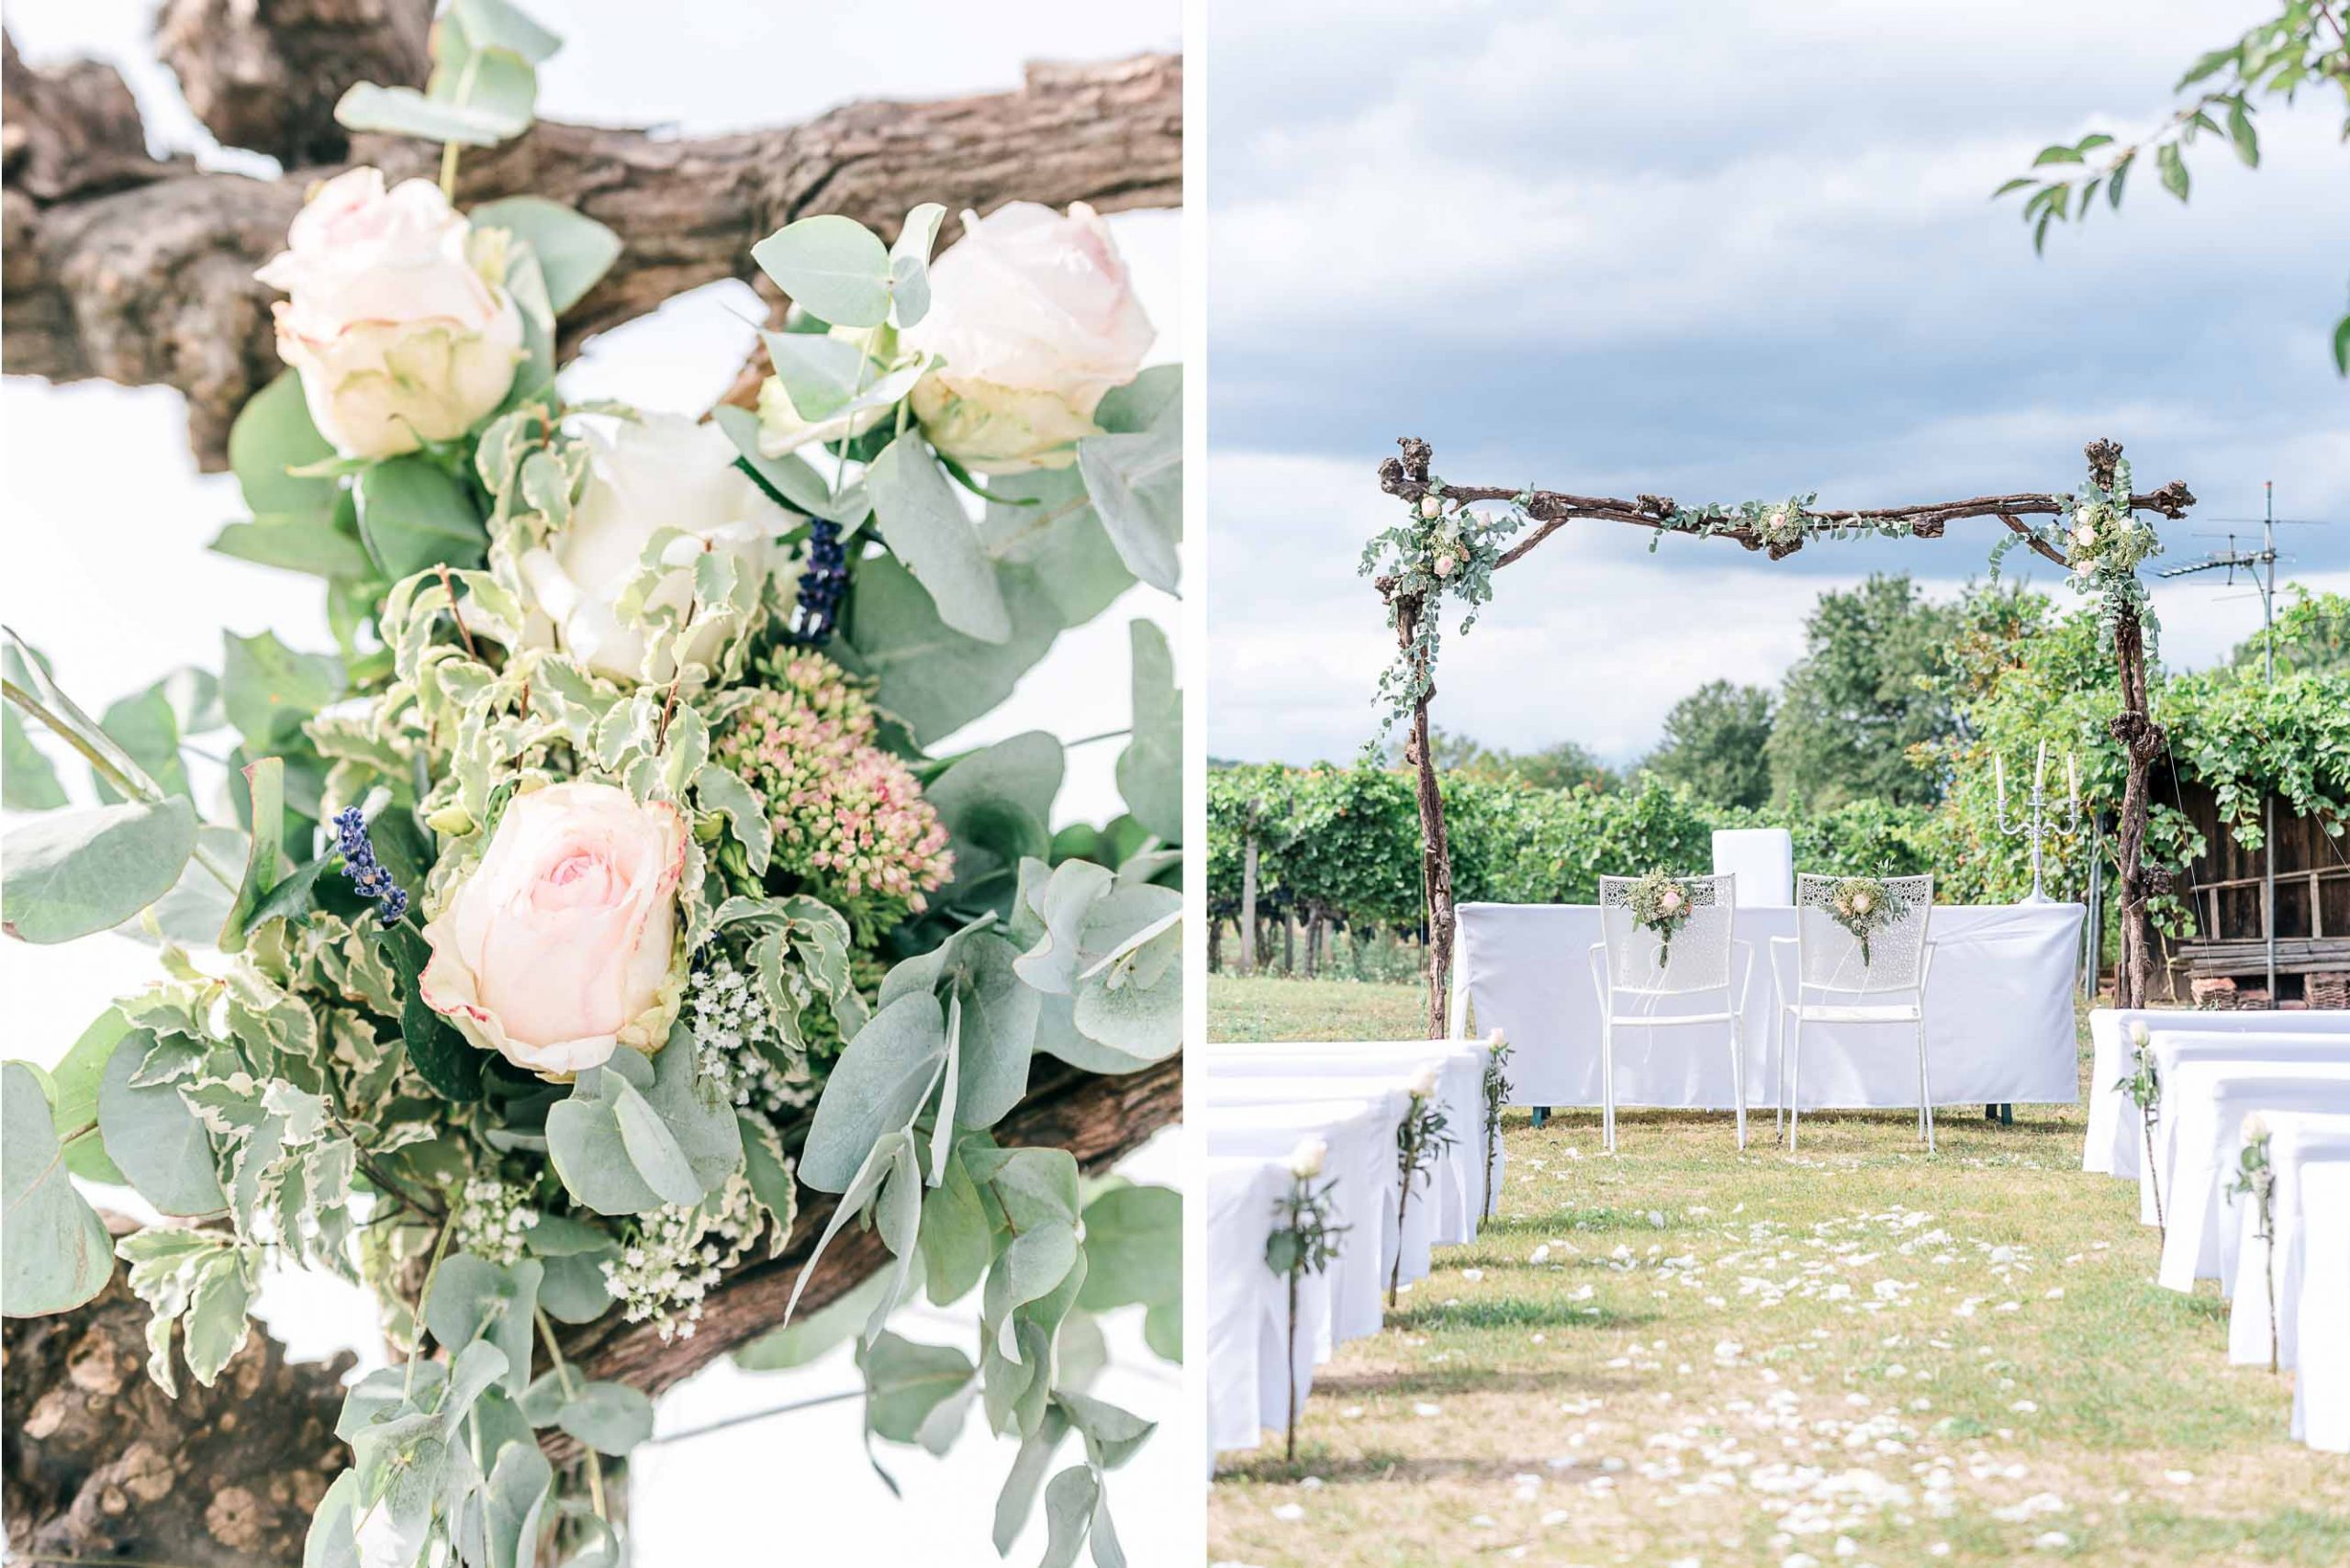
{"x":1836,"y":982}
{"x":1634,"y":969}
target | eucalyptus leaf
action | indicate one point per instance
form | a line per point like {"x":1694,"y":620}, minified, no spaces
{"x":154,"y":1137}
{"x":273,"y":433}
{"x":925,"y":527}
{"x":1136,"y":486}
{"x":907,"y":1383}
{"x":404,"y":111}
{"x":1150,"y":770}
{"x":413,"y":514}
{"x":910,"y":264}
{"x":876,"y":1088}
{"x":68,"y":874}
{"x":55,"y":1253}
{"x":572,"y":249}
{"x":269,"y":692}
{"x":834,"y":266}
{"x":27,"y":779}
{"x":933,"y":678}
{"x":74,"y":1083}
{"x":610,"y":1417}
{"x":305,"y":542}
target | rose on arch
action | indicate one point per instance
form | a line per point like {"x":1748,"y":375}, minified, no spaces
{"x":1307,"y":1159}
{"x":397,"y":316}
{"x":645,"y":474}
{"x":1035,"y":318}
{"x":561,"y":943}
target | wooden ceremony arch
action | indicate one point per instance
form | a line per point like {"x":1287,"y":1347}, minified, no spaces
{"x":1408,"y":477}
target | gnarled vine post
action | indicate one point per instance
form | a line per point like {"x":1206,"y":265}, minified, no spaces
{"x":1778,"y":531}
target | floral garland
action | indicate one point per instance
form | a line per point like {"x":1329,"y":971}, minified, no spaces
{"x":1865,"y":906}
{"x":1661,"y":903}
{"x":2143,"y":1086}
{"x":1421,"y":1139}
{"x":1302,"y":1241}
{"x":648,"y":914}
{"x":1440,"y":548}
{"x":2103,"y":542}
{"x":2256,"y":1179}
{"x":1497,"y":1092}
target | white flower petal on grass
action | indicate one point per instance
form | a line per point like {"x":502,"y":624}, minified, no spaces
{"x":1289,"y":1513}
{"x":1427,"y":1409}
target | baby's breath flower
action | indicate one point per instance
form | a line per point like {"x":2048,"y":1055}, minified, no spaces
{"x":737,"y":1044}
{"x":677,"y":1257}
{"x":493,"y":1219}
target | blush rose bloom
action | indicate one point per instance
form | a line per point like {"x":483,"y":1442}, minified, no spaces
{"x":398,"y":320}
{"x":1037,"y":319}
{"x":652,"y":471}
{"x":561,"y":945}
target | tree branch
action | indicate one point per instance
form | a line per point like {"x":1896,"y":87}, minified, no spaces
{"x":100,"y":1462}
{"x":125,"y":269}
{"x":1408,"y":477}
{"x":265,"y":74}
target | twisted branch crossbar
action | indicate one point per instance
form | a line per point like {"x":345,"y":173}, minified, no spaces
{"x":1407,"y":476}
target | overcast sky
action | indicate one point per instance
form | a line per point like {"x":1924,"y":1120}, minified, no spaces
{"x":1719,"y":251}
{"x":106,"y":571}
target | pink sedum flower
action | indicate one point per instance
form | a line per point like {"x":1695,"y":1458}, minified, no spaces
{"x":560,"y":945}
{"x":849,"y":818}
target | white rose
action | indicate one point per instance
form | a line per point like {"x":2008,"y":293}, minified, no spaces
{"x":2085,"y":534}
{"x":399,"y":320}
{"x":2138,"y":1035}
{"x":1423,"y":1084}
{"x":644,"y":475}
{"x":2255,"y":1126}
{"x":1307,"y":1159}
{"x":1431,"y":506}
{"x":560,"y":945}
{"x":1497,"y":1040}
{"x":1442,"y":565}
{"x":1036,"y":319}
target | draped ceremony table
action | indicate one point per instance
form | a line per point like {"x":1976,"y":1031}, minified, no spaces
{"x":2174,"y":1049}
{"x":2212,"y":1100}
{"x":1418,"y":1219}
{"x":2321,"y":1379}
{"x":1361,"y":1161}
{"x":1248,"y":1318}
{"x":1459,"y":1196}
{"x":2268,"y":1274}
{"x":1998,"y":1015}
{"x":2114,"y":1139}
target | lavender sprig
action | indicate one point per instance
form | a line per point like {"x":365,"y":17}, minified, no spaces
{"x":822,"y":585}
{"x":366,"y":873}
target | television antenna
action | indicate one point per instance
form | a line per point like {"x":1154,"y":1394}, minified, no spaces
{"x":2260,"y":566}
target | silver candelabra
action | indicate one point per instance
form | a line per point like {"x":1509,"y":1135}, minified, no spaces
{"x":2037,"y":827}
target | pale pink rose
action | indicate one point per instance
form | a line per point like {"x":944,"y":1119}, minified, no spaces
{"x":1423,"y":1084}
{"x":1036,"y":319}
{"x":561,"y":945}
{"x":398,"y":320}
{"x":1443,"y":565}
{"x":1669,"y":901}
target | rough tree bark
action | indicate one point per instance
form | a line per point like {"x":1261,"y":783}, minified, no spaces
{"x":124,"y":268}
{"x":1408,"y":477}
{"x":100,"y":1463}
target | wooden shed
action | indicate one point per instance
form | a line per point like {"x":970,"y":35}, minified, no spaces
{"x":2225,"y":963}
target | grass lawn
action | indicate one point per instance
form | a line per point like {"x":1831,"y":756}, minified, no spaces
{"x":1855,"y":1355}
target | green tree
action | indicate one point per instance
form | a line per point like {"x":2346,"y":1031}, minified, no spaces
{"x":1562,"y":766}
{"x":1872,"y":684}
{"x":1713,"y":744}
{"x":2304,"y":46}
{"x":2312,"y":636}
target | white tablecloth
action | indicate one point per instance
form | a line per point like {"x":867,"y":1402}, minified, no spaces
{"x":1362,"y":1135}
{"x":2321,"y":1381}
{"x":1460,"y":1192}
{"x":2114,"y":1138}
{"x":2211,"y":1100}
{"x":1418,"y":1219}
{"x":2174,"y":1049}
{"x":2297,"y":1141}
{"x":1247,"y":1318}
{"x":2000,"y":1014}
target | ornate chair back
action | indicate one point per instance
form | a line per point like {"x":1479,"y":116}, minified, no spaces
{"x":1644,"y":959}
